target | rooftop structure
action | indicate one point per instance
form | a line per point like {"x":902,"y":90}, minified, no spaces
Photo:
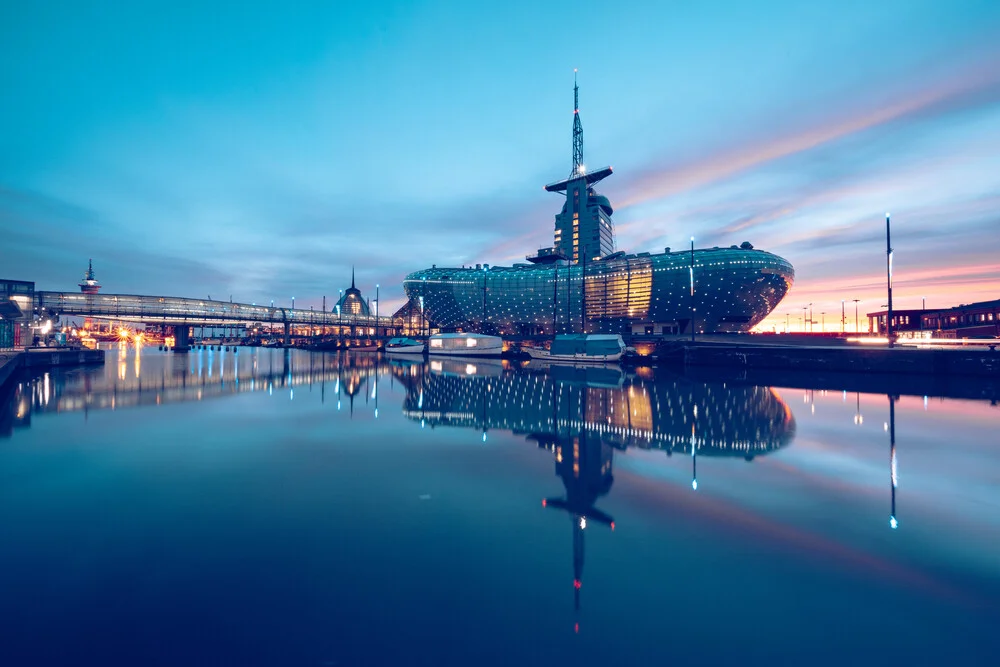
{"x":90,"y":284}
{"x":352,"y":303}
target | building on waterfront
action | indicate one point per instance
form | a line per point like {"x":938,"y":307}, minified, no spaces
{"x":90,"y":284}
{"x":351,"y":303}
{"x":972,"y":320}
{"x":582,"y":283}
{"x":16,"y":303}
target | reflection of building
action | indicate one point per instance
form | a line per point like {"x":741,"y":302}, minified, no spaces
{"x":582,"y":414}
{"x":583,"y":284}
{"x":139,"y":377}
{"x":584,"y":464}
{"x":649,"y":414}
{"x":352,"y":304}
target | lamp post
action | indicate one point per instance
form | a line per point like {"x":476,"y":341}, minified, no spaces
{"x":888,"y":268}
{"x":786,"y":322}
{"x":857,"y":327}
{"x":843,"y":320}
{"x":811,"y":320}
{"x":691,"y":271}
{"x":805,"y":310}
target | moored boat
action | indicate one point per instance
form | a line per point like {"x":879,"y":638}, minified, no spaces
{"x":404,"y":346}
{"x":581,"y":347}
{"x":465,"y":345}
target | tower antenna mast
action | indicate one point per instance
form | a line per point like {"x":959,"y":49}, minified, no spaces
{"x":578,"y":166}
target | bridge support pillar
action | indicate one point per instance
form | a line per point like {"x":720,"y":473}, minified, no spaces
{"x":288,"y":334}
{"x":182,"y":338}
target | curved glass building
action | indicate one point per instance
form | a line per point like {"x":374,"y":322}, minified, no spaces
{"x":583,"y":284}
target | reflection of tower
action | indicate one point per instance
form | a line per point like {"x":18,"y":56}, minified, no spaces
{"x":892,"y":461}
{"x":584,"y":464}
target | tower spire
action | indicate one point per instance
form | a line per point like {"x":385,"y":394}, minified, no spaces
{"x":352,"y":277}
{"x":578,"y":166}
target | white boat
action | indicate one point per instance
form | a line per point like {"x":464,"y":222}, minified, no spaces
{"x":581,"y":347}
{"x":465,"y":345}
{"x":404,"y":346}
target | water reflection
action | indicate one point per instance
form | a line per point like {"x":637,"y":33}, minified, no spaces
{"x":159,"y":378}
{"x":583,"y":414}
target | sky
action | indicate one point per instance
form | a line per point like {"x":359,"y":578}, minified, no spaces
{"x":261,"y":150}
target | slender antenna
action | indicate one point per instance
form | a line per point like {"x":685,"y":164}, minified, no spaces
{"x":578,"y":166}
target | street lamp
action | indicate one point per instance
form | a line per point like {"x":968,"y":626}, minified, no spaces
{"x":888,"y":268}
{"x":857,"y":327}
{"x":843,"y":320}
{"x":691,"y":271}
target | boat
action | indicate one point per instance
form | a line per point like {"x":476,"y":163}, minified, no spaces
{"x":465,"y":345}
{"x":404,"y":346}
{"x":599,"y":348}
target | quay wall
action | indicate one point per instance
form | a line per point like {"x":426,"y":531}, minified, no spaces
{"x":10,"y":362}
{"x":976,"y":363}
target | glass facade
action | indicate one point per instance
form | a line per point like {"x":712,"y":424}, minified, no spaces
{"x":734,"y":289}
{"x":16,"y":302}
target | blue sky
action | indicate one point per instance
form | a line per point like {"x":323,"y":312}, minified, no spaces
{"x":260,"y":150}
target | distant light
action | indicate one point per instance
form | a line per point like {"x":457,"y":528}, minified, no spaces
{"x":692,"y":239}
{"x":583,"y":169}
{"x":544,"y":502}
{"x":694,"y":484}
{"x":887,"y":214}
{"x":484,"y":437}
{"x":583,"y":522}
{"x":893,"y":523}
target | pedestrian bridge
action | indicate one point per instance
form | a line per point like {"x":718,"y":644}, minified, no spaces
{"x":193,"y":312}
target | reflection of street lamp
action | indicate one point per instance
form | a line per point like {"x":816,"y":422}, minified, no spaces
{"x":691,"y":271}
{"x":892,"y":460}
{"x":376,"y":310}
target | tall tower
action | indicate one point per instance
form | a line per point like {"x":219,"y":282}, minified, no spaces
{"x":583,"y":229}
{"x":90,"y":284}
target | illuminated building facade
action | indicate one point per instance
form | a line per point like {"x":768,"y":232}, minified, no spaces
{"x":16,"y":298}
{"x":582,"y":284}
{"x":352,"y":304}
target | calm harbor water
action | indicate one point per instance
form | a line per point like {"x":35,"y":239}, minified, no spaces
{"x":292,"y":508}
